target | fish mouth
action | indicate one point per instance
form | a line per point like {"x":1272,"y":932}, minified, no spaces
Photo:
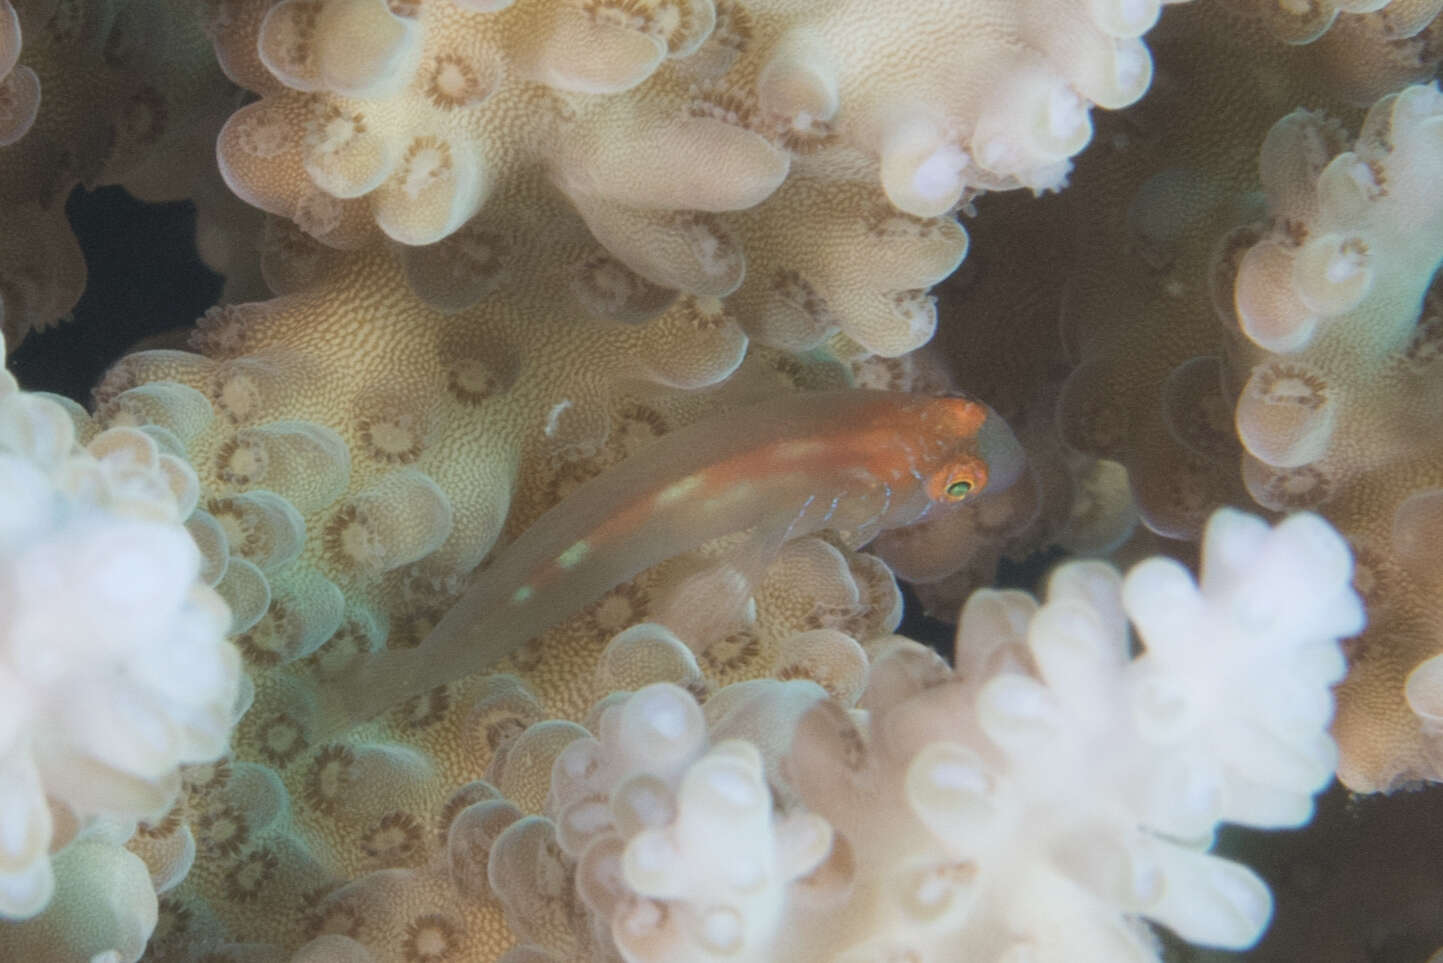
{"x":1002,"y":452}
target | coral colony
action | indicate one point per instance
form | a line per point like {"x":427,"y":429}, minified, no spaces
{"x":506,"y":570}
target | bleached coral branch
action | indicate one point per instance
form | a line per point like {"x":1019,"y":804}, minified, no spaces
{"x":1036,"y":803}
{"x":1336,"y":301}
{"x":1054,"y":790}
{"x":114,"y":666}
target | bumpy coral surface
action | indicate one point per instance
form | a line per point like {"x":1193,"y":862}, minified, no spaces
{"x":346,"y":505}
{"x":781,"y":152}
{"x":418,"y":112}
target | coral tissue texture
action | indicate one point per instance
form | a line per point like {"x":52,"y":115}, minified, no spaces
{"x":482,"y":256}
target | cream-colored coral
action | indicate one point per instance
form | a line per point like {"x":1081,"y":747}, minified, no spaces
{"x":116,"y":669}
{"x":1155,"y":386}
{"x":334,"y":477}
{"x":1137,"y":319}
{"x":346,"y":502}
{"x":372,"y":806}
{"x":397,"y":808}
{"x":322,"y":494}
{"x":693,"y":138}
{"x":424,"y":110}
{"x":1340,"y":387}
{"x":104,"y":907}
{"x":1139,"y":311}
{"x":678,"y":852}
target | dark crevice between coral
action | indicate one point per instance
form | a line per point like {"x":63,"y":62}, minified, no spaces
{"x":144,"y":278}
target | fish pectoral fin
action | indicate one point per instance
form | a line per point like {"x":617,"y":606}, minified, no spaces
{"x":716,"y":598}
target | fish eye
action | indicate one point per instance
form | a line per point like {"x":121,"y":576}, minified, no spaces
{"x":961,"y":479}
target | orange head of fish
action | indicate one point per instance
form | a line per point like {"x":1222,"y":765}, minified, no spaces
{"x":971,"y":450}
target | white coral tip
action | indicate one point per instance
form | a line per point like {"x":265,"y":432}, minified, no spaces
{"x":1211,"y":901}
{"x":1333,"y":273}
{"x":922,"y":168}
{"x":1125,"y":18}
{"x":952,"y":792}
